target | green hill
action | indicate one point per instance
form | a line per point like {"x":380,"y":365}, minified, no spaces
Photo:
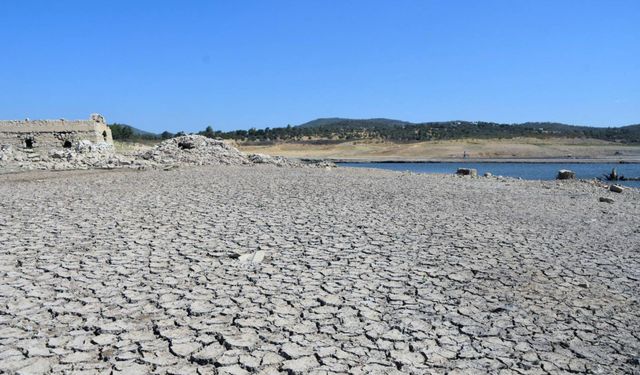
{"x":336,"y":122}
{"x":124,"y":132}
{"x":407,"y":131}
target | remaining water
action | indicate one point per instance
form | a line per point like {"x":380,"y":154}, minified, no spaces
{"x":527,"y":171}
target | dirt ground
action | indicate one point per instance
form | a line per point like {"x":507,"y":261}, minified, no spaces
{"x":521,"y":148}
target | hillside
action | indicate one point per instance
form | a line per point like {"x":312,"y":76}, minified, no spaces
{"x":335,"y":130}
{"x":125,"y":132}
{"x":337,"y":122}
{"x":426,"y":131}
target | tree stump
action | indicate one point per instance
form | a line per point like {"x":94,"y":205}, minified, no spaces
{"x":467,"y":172}
{"x":565,"y":174}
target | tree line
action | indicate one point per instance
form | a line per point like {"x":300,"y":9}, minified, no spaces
{"x":352,"y":130}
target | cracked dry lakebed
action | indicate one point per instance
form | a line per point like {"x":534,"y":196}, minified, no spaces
{"x":260,"y":269}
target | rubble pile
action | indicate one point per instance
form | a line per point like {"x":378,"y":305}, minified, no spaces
{"x":194,"y":150}
{"x":287,"y":162}
{"x":199,"y":150}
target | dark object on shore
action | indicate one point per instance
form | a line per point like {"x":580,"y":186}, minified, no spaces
{"x":565,"y":174}
{"x":613,"y":176}
{"x":467,"y":172}
{"x":616,"y":188}
{"x":606,"y":200}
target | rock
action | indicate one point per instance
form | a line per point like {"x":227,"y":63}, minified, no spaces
{"x":606,"y":200}
{"x":241,"y":340}
{"x":39,"y":366}
{"x":131,"y":368}
{"x":467,"y":172}
{"x":565,"y":174}
{"x":406,"y":357}
{"x":301,"y":365}
{"x":616,"y":188}
{"x":201,"y":307}
{"x":462,"y":276}
{"x":330,"y":300}
{"x":271,"y":358}
{"x":56,"y":154}
{"x":293,"y":351}
{"x":232,"y":370}
{"x":488,"y":174}
{"x":104,"y":339}
{"x":97,"y":118}
{"x":209,"y":353}
{"x":254,"y":258}
{"x":184,"y":349}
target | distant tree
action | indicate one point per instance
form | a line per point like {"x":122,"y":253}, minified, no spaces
{"x":208,"y":132}
{"x":166,"y":135}
{"x":431,"y":131}
{"x":121,"y":132}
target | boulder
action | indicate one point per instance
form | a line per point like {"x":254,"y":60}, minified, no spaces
{"x":488,"y":174}
{"x":57,"y":154}
{"x":565,"y":174}
{"x":606,"y":200}
{"x":616,"y":188}
{"x":467,"y":172}
{"x":6,"y":152}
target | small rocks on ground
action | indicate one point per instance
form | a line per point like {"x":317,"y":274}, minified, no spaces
{"x":616,"y":188}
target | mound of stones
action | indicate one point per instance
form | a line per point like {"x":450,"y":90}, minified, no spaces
{"x":184,"y":150}
{"x":199,"y":150}
{"x":194,"y":150}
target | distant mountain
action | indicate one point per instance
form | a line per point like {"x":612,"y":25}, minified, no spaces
{"x":334,"y":122}
{"x":142,"y":133}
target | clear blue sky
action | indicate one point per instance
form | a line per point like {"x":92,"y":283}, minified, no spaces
{"x":183,"y":65}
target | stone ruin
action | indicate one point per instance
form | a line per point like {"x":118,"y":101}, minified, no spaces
{"x":51,"y":134}
{"x":56,"y":144}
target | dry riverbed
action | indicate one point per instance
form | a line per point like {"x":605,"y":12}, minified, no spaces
{"x":236,"y":269}
{"x":518,"y":149}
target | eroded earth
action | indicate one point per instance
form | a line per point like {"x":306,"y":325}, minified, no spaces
{"x":234,"y":270}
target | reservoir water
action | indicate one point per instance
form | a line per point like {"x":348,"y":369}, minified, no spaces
{"x":527,"y":171}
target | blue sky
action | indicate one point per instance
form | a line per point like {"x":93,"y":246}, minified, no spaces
{"x":183,"y":65}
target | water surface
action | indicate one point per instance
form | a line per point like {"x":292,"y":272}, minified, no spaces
{"x":527,"y":171}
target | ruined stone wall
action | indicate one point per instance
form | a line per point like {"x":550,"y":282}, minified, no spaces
{"x":38,"y":134}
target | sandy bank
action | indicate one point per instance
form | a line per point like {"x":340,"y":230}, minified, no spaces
{"x":519,"y":149}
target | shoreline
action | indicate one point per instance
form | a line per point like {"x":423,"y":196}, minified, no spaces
{"x":487,"y":160}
